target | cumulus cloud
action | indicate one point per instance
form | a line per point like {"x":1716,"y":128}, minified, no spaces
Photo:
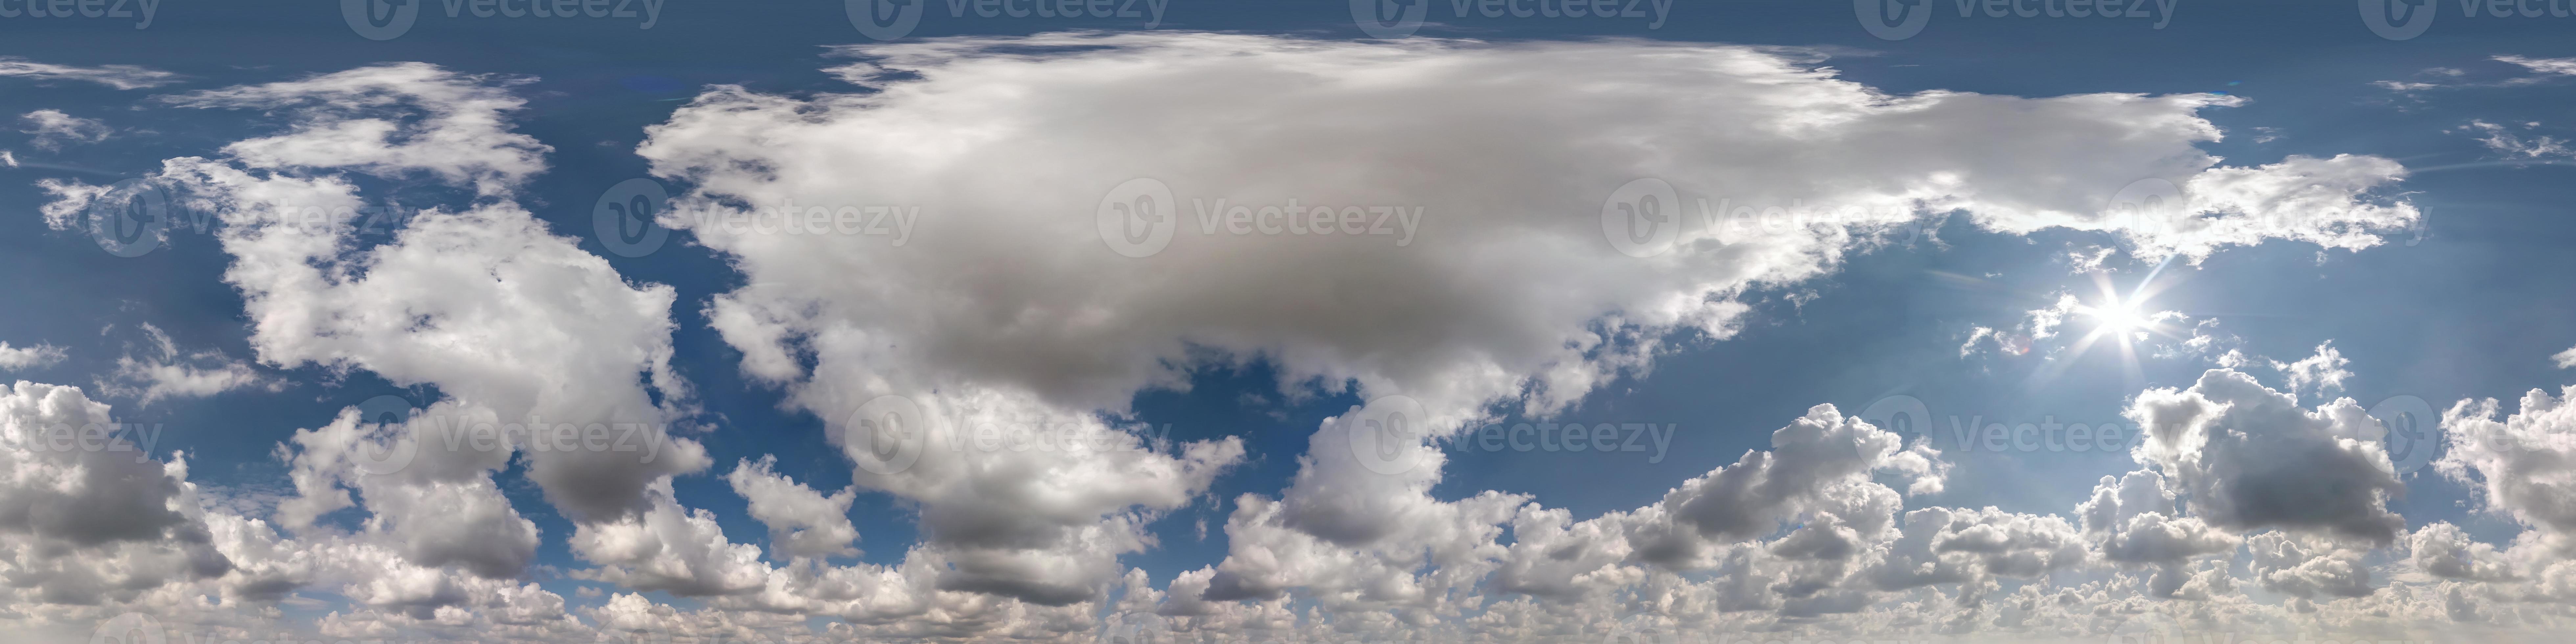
{"x":2250,"y":458}
{"x":2133,"y":521}
{"x":2308,"y":566}
{"x":1975,"y":547}
{"x":669,"y":548}
{"x":29,"y":357}
{"x":2326,"y":202}
{"x":1819,"y":466}
{"x":1791,"y":132}
{"x":482,"y":301}
{"x":2444,"y":550}
{"x":2521,"y":464}
{"x":802,"y":522}
{"x":117,"y":76}
{"x":85,"y":514}
{"x":527,"y":338}
{"x":2321,"y":374}
{"x":1006,"y":300}
{"x":1006,"y":313}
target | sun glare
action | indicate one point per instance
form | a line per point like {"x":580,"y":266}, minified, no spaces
{"x":2125,"y":317}
{"x":2120,"y":317}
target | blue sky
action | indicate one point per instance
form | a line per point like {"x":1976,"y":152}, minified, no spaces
{"x":2445,"y":150}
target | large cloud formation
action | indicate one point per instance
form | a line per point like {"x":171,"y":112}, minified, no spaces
{"x":1009,"y":302}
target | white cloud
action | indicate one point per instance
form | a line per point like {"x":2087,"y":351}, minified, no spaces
{"x":2308,"y":566}
{"x":802,"y":522}
{"x":483,"y":302}
{"x":53,"y":128}
{"x":670,"y":548}
{"x":2521,"y":465}
{"x":2320,"y":374}
{"x":86,"y":515}
{"x":2541,"y":70}
{"x":2565,"y":359}
{"x":2503,"y":141}
{"x":1069,"y":320}
{"x":389,"y":121}
{"x":513,"y":325}
{"x":2133,"y":521}
{"x":1007,"y":311}
{"x":2547,"y":66}
{"x":161,"y":371}
{"x":2444,"y":550}
{"x":30,"y":357}
{"x":1980,"y":336}
{"x":1006,"y":301}
{"x":2251,"y":459}
{"x":117,"y":76}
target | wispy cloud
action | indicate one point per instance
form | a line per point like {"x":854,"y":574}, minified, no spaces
{"x":117,"y":76}
{"x":166,"y":373}
{"x":53,"y":128}
{"x":2543,"y":69}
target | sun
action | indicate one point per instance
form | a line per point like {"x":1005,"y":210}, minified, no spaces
{"x":2129,"y":318}
{"x":2115,"y":316}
